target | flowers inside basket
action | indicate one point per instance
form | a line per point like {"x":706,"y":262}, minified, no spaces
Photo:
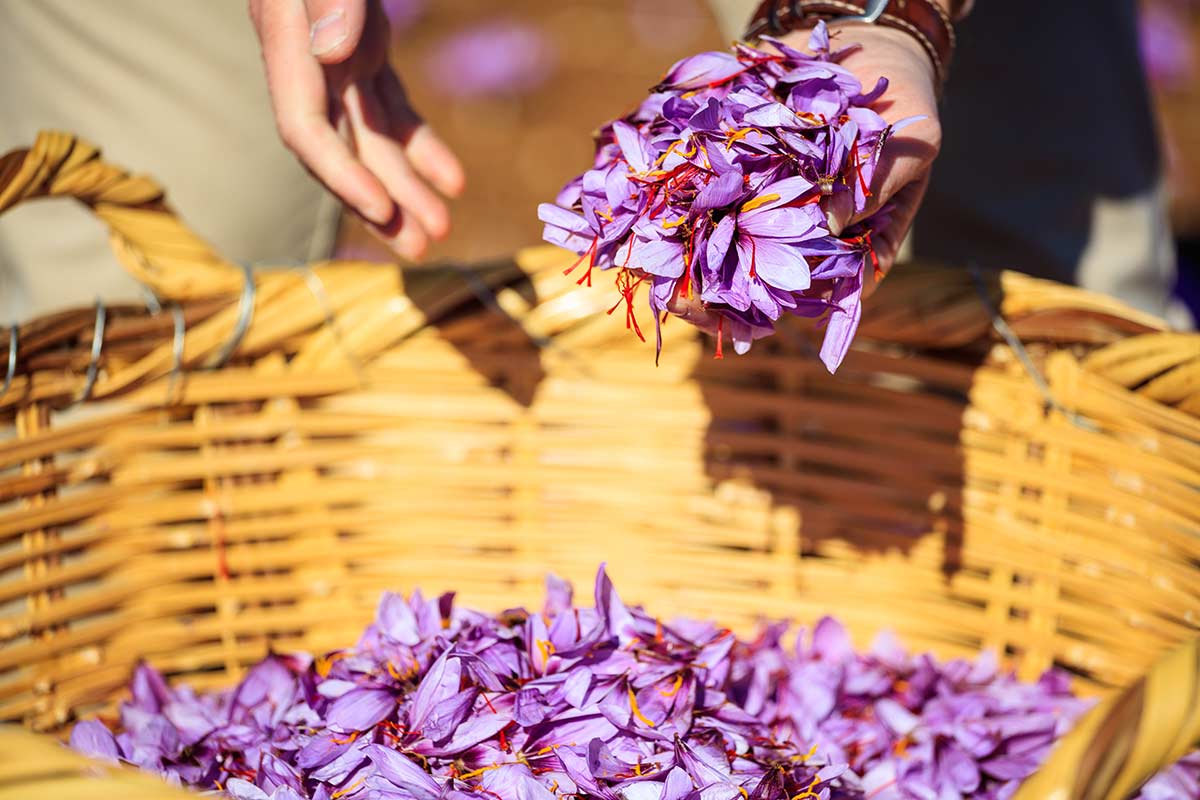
{"x":440,"y":703}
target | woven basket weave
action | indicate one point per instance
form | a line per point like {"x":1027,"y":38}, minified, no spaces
{"x":250,"y":465}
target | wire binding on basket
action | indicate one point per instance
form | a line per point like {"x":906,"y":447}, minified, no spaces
{"x":317,"y":287}
{"x":93,"y":367}
{"x":13,"y":335}
{"x":177,"y":342}
{"x":245,"y":314}
{"x":1006,"y":332}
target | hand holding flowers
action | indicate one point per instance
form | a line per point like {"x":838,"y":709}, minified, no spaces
{"x":760,"y":182}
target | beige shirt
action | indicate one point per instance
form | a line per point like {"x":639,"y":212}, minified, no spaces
{"x":172,"y":89}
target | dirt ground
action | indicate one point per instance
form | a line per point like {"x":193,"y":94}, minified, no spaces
{"x":598,"y":59}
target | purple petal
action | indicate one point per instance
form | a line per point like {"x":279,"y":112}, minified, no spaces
{"x":663,"y":257}
{"x":701,"y":70}
{"x":514,"y":782}
{"x":843,"y":322}
{"x":614,"y":615}
{"x":720,"y":192}
{"x":400,"y":771}
{"x":360,"y":710}
{"x":529,"y":708}
{"x":240,"y":789}
{"x":776,"y":264}
{"x":94,"y":740}
{"x":396,"y":619}
{"x":442,"y":681}
{"x":564,"y":228}
{"x":633,"y":146}
{"x":447,"y":715}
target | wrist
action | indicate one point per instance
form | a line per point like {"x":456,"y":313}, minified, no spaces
{"x":927,"y":22}
{"x":882,"y":53}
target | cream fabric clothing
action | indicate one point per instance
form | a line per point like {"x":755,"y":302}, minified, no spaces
{"x":171,"y":88}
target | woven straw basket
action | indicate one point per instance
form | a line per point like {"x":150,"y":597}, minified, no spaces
{"x":247,"y":466}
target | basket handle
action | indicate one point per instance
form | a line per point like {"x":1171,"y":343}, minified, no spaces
{"x":149,"y":240}
{"x":1125,"y":740}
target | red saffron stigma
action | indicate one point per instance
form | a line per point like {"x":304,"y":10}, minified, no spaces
{"x":720,"y":335}
{"x":627,"y":286}
{"x":590,"y":255}
{"x":874,"y":258}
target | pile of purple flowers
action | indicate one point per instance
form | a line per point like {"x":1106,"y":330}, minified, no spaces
{"x":438,"y":703}
{"x":714,"y":188}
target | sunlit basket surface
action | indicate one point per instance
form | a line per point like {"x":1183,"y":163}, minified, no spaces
{"x":381,"y":428}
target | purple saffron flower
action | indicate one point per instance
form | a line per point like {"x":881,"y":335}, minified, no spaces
{"x":91,"y":738}
{"x":711,"y":189}
{"x":439,"y":703}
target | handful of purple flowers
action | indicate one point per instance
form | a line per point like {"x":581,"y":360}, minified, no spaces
{"x":438,"y":703}
{"x":713,"y":190}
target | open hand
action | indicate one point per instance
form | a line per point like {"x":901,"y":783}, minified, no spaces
{"x":341,"y":109}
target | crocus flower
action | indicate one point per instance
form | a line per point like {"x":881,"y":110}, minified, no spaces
{"x":440,"y":703}
{"x":710,"y":189}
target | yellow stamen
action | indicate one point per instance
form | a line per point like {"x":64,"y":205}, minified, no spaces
{"x":546,"y":647}
{"x":674,"y":690}
{"x":325,"y":663}
{"x":658,"y":161}
{"x":673,"y":223}
{"x":637,"y":712}
{"x":348,"y":740}
{"x":606,"y":214}
{"x":477,"y":772}
{"x":348,"y":789}
{"x":761,"y":200}
{"x":736,"y":136}
{"x":392,"y":671}
{"x":637,"y":769}
{"x":809,"y":791}
{"x":745,"y":794}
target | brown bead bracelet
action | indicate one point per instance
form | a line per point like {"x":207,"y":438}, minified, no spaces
{"x":924,"y":20}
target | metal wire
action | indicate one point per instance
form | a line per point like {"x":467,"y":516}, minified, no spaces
{"x":177,"y":341}
{"x":13,"y":336}
{"x":487,"y":297}
{"x":245,"y":314}
{"x":93,"y":367}
{"x":317,"y":287}
{"x":1010,"y":337}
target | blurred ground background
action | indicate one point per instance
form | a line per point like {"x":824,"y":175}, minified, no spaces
{"x":516,"y":88}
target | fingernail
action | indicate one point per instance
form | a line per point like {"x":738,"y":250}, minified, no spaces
{"x":328,"y":32}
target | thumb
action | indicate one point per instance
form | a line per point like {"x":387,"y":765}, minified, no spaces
{"x":335,"y":28}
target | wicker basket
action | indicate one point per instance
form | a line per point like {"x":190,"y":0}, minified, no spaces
{"x":257,"y":459}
